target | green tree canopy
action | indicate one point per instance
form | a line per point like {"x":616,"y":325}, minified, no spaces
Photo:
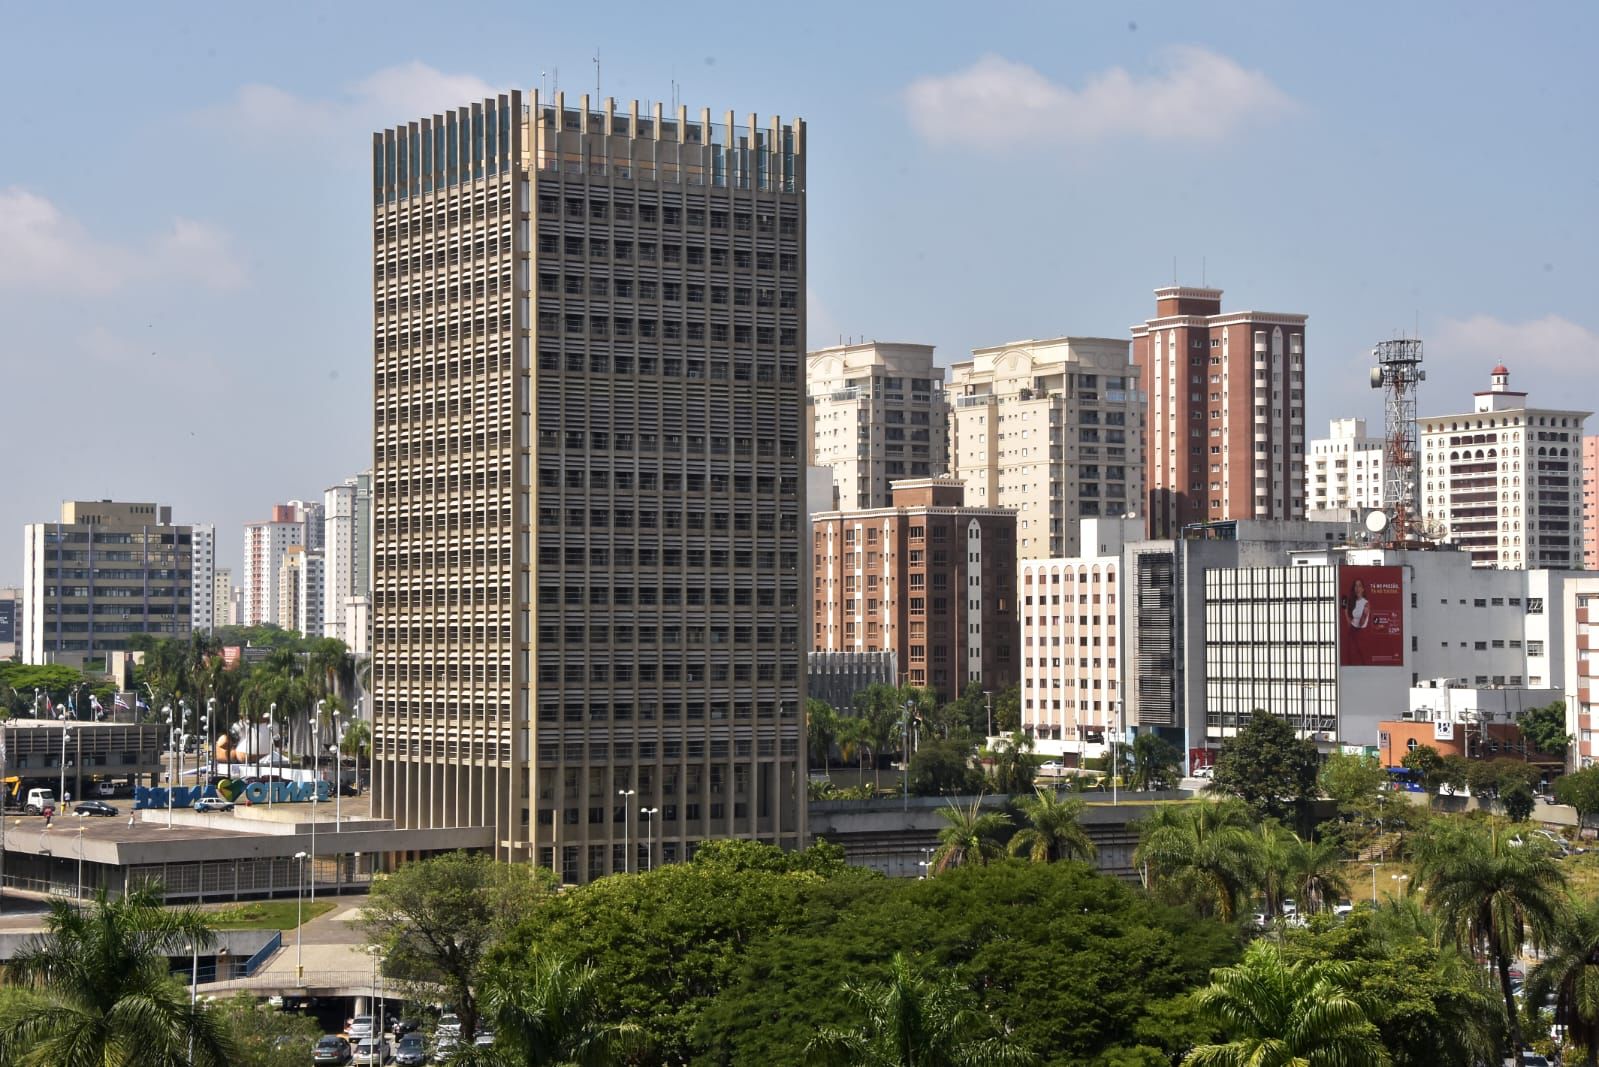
{"x":1053,"y":829}
{"x":1268,"y":767}
{"x":1580,"y":789}
{"x":1545,"y":728}
{"x":944,"y":768}
{"x":1354,"y":780}
{"x":1015,"y":766}
{"x":1153,"y":762}
{"x":434,"y":920}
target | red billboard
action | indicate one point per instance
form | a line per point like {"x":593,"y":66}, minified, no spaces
{"x":1371,"y":617}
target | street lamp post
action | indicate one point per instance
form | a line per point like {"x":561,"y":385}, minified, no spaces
{"x":1401,"y":879}
{"x":1374,"y":867}
{"x":1115,"y":768}
{"x":210,"y":721}
{"x":61,"y":796}
{"x":338,"y":777}
{"x":313,"y":841}
{"x":649,"y":835}
{"x":299,"y":918}
{"x":627,"y":862}
{"x":79,"y":894}
{"x":355,"y":867}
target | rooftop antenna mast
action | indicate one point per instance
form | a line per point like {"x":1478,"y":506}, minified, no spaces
{"x":1398,"y":373}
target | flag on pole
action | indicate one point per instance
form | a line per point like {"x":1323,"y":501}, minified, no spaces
{"x":120,"y":704}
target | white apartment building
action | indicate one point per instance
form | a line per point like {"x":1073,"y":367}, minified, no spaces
{"x":1071,"y":642}
{"x":300,"y":582}
{"x":874,"y":412}
{"x":10,"y":616}
{"x":222,"y":598}
{"x":1052,"y":428}
{"x":203,"y":612}
{"x":1344,"y":469}
{"x":314,"y":515}
{"x":1579,"y":610}
{"x":1504,"y":481}
{"x":347,"y":552}
{"x":265,"y":544}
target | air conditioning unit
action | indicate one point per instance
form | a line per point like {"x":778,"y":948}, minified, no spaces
{"x":1407,"y":715}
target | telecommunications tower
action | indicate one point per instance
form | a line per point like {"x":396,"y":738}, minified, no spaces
{"x":1397,"y":373}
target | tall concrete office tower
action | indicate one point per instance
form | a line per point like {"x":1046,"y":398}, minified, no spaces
{"x":587,"y":478}
{"x":1226,"y":437}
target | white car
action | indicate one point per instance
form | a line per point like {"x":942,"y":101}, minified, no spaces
{"x":1290,"y":909}
{"x":359,"y":1028}
{"x":1342,"y":908}
{"x":449,"y":1025}
{"x":373,"y":1050}
{"x":1052,"y":768}
{"x":1203,"y":772}
{"x":205,"y":804}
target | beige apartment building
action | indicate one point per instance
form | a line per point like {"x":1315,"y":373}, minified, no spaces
{"x":1054,"y":429}
{"x":106,"y":571}
{"x":875,"y":413}
{"x":587,"y":480}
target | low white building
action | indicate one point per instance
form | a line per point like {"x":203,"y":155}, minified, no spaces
{"x":1344,"y":469}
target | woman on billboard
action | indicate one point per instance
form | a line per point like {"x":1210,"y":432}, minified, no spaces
{"x":1357,"y":616}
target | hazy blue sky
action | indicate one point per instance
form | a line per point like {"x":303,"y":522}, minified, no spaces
{"x":183,"y":201}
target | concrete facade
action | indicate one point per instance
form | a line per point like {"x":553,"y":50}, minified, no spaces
{"x":265,"y":544}
{"x":929,"y":579}
{"x":1226,"y":411}
{"x":1504,"y":481}
{"x":874,"y":413}
{"x":103,"y":573}
{"x":203,"y":613}
{"x":1590,"y":502}
{"x":589,"y":329}
{"x":1344,"y":469}
{"x":1053,"y":429}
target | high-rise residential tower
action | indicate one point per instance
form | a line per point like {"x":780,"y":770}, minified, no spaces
{"x":105,"y":572}
{"x":1344,"y":469}
{"x":875,"y":413}
{"x":1590,"y":502}
{"x":1226,"y":398}
{"x":589,"y":324}
{"x":1504,"y":481}
{"x":222,"y":597}
{"x":264,"y":546}
{"x":1054,"y":429}
{"x":347,"y":508}
{"x":203,"y":613}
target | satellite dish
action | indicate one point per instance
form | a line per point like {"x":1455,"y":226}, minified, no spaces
{"x":1376,"y":377}
{"x":1376,"y":522}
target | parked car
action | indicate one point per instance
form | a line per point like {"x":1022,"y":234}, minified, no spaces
{"x":449,"y":1024}
{"x":105,"y":789}
{"x":484,"y":1038}
{"x":331,"y":1049}
{"x":359,"y":1027}
{"x":94,"y":807}
{"x":1290,"y":909}
{"x":410,"y":1052}
{"x":213,"y":804}
{"x":372,"y":1050}
{"x":1204,"y":772}
{"x":1053,"y":768}
{"x":1342,"y":908}
{"x":402,"y":1025}
{"x":444,"y":1046}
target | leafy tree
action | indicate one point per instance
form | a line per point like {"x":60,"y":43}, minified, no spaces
{"x":944,"y":768}
{"x":1272,"y":848}
{"x":265,"y":1037}
{"x":879,"y":714}
{"x":1428,"y":767}
{"x":1154,"y":762}
{"x":1545,"y":728}
{"x":546,"y":1013}
{"x":1580,"y":789}
{"x":1054,"y":830}
{"x":357,"y":740}
{"x":914,"y":1021}
{"x":1491,"y":895}
{"x":1568,"y":974}
{"x":1199,"y":854}
{"x":1432,"y":1005}
{"x":1286,"y":1014}
{"x":20,"y":680}
{"x":1008,"y":710}
{"x":103,"y":991}
{"x":1452,"y":777}
{"x":1267,"y":766}
{"x":1353,"y":780}
{"x":434,"y":920}
{"x":1518,"y":800}
{"x":1317,"y":873}
{"x":1015,"y":766}
{"x":821,"y":729}
{"x":970,"y":836}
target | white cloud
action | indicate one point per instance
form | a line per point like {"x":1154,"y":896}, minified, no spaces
{"x":392,"y":95}
{"x":1198,"y":95}
{"x":1551,"y":343}
{"x":47,"y":249}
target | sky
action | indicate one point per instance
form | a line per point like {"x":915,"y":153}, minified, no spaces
{"x":184,"y":240}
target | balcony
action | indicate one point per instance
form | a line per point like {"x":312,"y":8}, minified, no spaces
{"x":1588,"y":641}
{"x":1587,"y":669}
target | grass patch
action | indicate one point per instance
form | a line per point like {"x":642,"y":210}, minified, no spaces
{"x":266,"y":915}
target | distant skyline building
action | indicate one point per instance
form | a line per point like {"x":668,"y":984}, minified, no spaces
{"x":875,"y":413}
{"x":106,"y":571}
{"x":265,"y":544}
{"x":1054,"y":429}
{"x":10,"y":621}
{"x":1590,"y":502}
{"x":222,"y":598}
{"x":314,"y":515}
{"x":203,"y":614}
{"x":587,"y":481}
{"x":300,"y":581}
{"x":1226,"y":394}
{"x":347,"y":550}
{"x":1344,"y":469}
{"x":1504,"y":481}
{"x":929,"y":579}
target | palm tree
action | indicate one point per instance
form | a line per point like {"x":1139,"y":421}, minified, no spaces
{"x":104,"y":996}
{"x":1316,"y":872}
{"x":1155,"y":762}
{"x":1569,"y":972}
{"x":547,"y":1013}
{"x":1280,"y":1014}
{"x":1200,"y":853}
{"x":971,"y":836}
{"x":1015,"y":766}
{"x":1272,"y":847}
{"x":1492,"y":893}
{"x":1053,"y":831}
{"x":913,"y":1021}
